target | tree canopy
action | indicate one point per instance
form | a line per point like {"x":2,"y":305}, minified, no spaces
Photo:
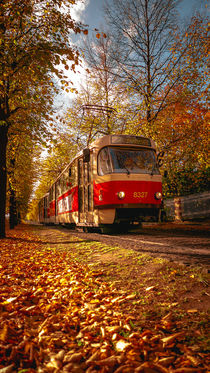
{"x":34,"y":40}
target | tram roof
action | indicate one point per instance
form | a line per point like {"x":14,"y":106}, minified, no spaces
{"x":122,"y":140}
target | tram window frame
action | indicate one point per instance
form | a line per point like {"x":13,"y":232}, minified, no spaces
{"x":100,"y":171}
{"x":51,"y":193}
{"x":90,"y":199}
{"x":66,"y":179}
{"x":80,"y":171}
{"x":60,"y":184}
{"x":58,"y":187}
{"x":72,"y":178}
{"x":90,"y":170}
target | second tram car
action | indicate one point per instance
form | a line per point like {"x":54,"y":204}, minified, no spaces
{"x":115,"y":182}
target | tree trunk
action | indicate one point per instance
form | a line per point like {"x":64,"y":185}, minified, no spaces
{"x":3,"y":177}
{"x":13,"y":221}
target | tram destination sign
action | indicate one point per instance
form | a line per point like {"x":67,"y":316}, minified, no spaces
{"x":135,"y":140}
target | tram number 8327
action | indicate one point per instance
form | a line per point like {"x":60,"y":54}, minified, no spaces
{"x":114,"y":183}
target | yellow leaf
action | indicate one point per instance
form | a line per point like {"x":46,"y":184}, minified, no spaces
{"x":9,"y":300}
{"x":171,"y":338}
{"x":4,"y":332}
{"x":121,"y":345}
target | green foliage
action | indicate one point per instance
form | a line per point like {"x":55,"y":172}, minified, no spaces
{"x":185,"y":182}
{"x":22,"y":171}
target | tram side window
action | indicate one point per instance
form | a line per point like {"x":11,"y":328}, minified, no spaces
{"x":66,"y":179}
{"x":63,"y":179}
{"x":45,"y":206}
{"x":61,"y":185}
{"x":104,"y":164}
{"x":72,"y":175}
{"x":58,"y":187}
{"x":51,"y":194}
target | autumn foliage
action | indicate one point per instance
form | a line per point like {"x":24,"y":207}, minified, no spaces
{"x":57,"y":315}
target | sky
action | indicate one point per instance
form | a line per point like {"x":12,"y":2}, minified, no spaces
{"x":90,"y":12}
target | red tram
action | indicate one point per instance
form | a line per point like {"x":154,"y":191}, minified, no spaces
{"x":115,"y":182}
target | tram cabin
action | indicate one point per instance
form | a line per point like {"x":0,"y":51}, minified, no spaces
{"x":115,"y":182}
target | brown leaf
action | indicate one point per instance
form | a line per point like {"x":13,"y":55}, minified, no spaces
{"x":8,"y":369}
{"x":60,"y":355}
{"x":151,"y":368}
{"x":54,"y":363}
{"x":109,"y":361}
{"x":74,"y":358}
{"x":166,"y":361}
{"x":112,"y":329}
{"x":171,"y":338}
{"x":124,"y":369}
{"x":93,"y":357}
{"x":189,"y":370}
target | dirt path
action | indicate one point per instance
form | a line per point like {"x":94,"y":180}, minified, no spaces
{"x":183,"y":243}
{"x":173,"y":286}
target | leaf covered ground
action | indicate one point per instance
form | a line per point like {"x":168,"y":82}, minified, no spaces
{"x":72,"y":305}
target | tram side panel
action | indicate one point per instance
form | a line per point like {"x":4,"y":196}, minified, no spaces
{"x":67,"y":207}
{"x":66,"y":210}
{"x":63,"y":200}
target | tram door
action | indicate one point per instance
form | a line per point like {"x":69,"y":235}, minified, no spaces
{"x":85,"y":185}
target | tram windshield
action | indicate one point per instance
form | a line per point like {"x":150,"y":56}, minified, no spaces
{"x":116,"y":160}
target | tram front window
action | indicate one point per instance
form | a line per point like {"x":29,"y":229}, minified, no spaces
{"x":115,"y":160}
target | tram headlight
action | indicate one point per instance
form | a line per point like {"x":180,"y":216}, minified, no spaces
{"x":121,"y":195}
{"x":158,"y":195}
